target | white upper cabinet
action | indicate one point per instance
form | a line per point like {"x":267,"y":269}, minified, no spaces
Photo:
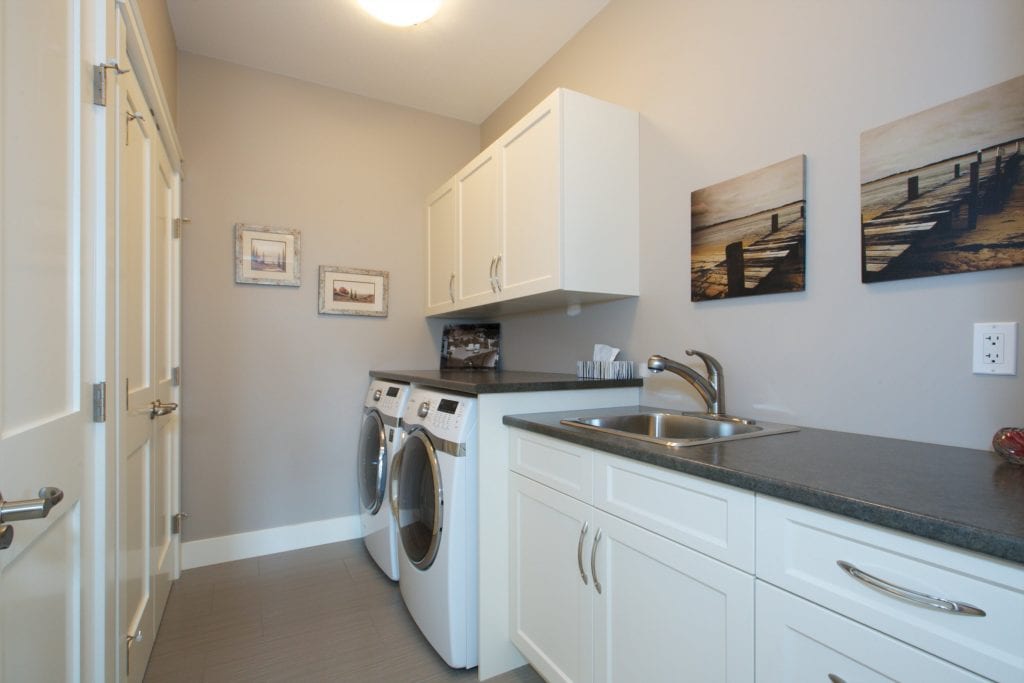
{"x":548,"y":215}
{"x":442,"y":244}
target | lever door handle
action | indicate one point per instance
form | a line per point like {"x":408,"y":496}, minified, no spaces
{"x":158,"y":409}
{"x":32,"y":508}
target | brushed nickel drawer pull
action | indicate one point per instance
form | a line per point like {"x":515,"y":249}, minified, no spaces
{"x":835,"y":679}
{"x":593,"y":561}
{"x":579,"y":552}
{"x":921,"y":599}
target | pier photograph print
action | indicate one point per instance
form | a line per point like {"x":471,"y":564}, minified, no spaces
{"x":747,"y":234}
{"x":941,"y":190}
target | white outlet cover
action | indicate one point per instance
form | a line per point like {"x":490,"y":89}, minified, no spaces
{"x":982,"y":364}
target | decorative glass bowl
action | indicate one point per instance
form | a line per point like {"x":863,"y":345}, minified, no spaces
{"x":1009,"y":443}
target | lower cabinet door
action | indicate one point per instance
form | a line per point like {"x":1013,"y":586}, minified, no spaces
{"x":800,"y":641}
{"x":667,"y":613}
{"x":551,"y":605}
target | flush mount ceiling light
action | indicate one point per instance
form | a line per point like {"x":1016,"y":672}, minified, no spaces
{"x":401,"y":12}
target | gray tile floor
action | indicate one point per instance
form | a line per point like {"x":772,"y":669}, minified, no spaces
{"x":319,"y":614}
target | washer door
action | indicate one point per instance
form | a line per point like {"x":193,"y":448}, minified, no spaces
{"x":372,"y":462}
{"x":419,"y":500}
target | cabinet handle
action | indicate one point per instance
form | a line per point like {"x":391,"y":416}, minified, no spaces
{"x":490,"y":276}
{"x":836,"y":679}
{"x":579,"y":552}
{"x":593,"y":561}
{"x":451,"y":288}
{"x":497,"y":275}
{"x":921,"y":599}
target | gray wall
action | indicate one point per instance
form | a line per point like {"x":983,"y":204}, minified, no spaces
{"x":272,"y":391}
{"x":724,"y":88}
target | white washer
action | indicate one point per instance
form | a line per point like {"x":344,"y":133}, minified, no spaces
{"x":434,"y":499}
{"x":379,"y":438}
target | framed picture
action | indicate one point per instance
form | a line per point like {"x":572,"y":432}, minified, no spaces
{"x":353,"y":291}
{"x":266,"y":256}
{"x":471,"y":347}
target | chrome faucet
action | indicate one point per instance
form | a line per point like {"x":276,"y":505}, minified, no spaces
{"x":712,"y":389}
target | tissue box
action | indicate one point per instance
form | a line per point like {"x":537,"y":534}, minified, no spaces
{"x":605,"y":369}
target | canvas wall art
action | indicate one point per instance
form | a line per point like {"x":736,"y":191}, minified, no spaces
{"x":941,"y":190}
{"x":475,"y":346}
{"x":748,"y":233}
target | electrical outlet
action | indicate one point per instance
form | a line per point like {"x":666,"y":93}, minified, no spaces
{"x":995,"y":349}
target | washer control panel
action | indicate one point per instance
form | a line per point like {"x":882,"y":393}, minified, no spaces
{"x":447,"y":416}
{"x":387,"y":397}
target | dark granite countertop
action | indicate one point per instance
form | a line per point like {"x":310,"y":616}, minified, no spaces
{"x":500,"y":381}
{"x":967,"y":498}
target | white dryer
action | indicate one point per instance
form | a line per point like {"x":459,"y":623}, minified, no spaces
{"x":434,"y":500}
{"x":379,"y":438}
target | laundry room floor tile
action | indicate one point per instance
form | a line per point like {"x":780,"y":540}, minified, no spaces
{"x":320,"y":614}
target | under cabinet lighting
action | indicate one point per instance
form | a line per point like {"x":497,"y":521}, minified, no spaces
{"x":401,"y":12}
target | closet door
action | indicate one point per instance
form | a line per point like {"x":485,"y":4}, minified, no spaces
{"x":48,"y":337}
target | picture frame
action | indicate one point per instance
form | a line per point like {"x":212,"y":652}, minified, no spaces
{"x":267,"y":256}
{"x":353,"y":291}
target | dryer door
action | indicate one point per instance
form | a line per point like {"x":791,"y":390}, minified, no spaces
{"x":420,"y":500}
{"x":372,"y":462}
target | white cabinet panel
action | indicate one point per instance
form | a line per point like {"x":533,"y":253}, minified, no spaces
{"x":442,"y":237}
{"x":716,"y":519}
{"x":799,"y":641}
{"x":798,"y":550}
{"x":668,"y":613}
{"x":552,"y":609}
{"x":558,"y":464}
{"x":477,"y":185}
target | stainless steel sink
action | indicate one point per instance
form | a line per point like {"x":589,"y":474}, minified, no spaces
{"x":677,"y":430}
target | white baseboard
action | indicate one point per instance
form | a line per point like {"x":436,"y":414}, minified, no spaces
{"x":267,"y":541}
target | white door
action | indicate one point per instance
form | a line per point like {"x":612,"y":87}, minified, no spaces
{"x":48,"y":333}
{"x":477,"y":186}
{"x":147,"y":333}
{"x":137,"y":381}
{"x":662,"y":605}
{"x":442,"y":238}
{"x":552,"y":603}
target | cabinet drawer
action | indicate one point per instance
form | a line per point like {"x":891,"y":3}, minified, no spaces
{"x":799,"y":641}
{"x":558,"y":464}
{"x":713,"y":518}
{"x":798,"y":549}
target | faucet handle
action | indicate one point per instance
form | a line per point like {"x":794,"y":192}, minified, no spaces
{"x":714,"y":368}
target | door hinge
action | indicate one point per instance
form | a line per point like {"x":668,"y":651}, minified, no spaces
{"x":178,"y":223}
{"x":176,"y":376}
{"x":176,"y":522}
{"x":99,"y":81}
{"x":99,"y":402}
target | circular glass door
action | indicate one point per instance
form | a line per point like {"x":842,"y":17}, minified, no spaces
{"x":420,"y":500}
{"x":372,"y":462}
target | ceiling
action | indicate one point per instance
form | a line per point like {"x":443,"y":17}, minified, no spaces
{"x":463,"y":63}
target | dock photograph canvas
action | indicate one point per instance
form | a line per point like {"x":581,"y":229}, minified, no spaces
{"x":747,"y":234}
{"x":941,"y":190}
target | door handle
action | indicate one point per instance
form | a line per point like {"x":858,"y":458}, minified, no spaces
{"x":32,"y":508}
{"x":491,"y":276}
{"x":158,"y":409}
{"x":593,"y":561}
{"x":6,"y":536}
{"x":497,"y":273}
{"x":451,"y":288}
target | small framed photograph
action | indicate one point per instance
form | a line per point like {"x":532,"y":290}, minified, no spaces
{"x":353,"y":291}
{"x":266,"y":256}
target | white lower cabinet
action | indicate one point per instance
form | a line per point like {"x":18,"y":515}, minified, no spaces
{"x":800,"y":641}
{"x":597,"y":598}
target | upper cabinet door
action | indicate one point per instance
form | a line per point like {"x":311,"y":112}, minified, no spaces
{"x":531,"y":203}
{"x":477,"y":186}
{"x":442,"y":236}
